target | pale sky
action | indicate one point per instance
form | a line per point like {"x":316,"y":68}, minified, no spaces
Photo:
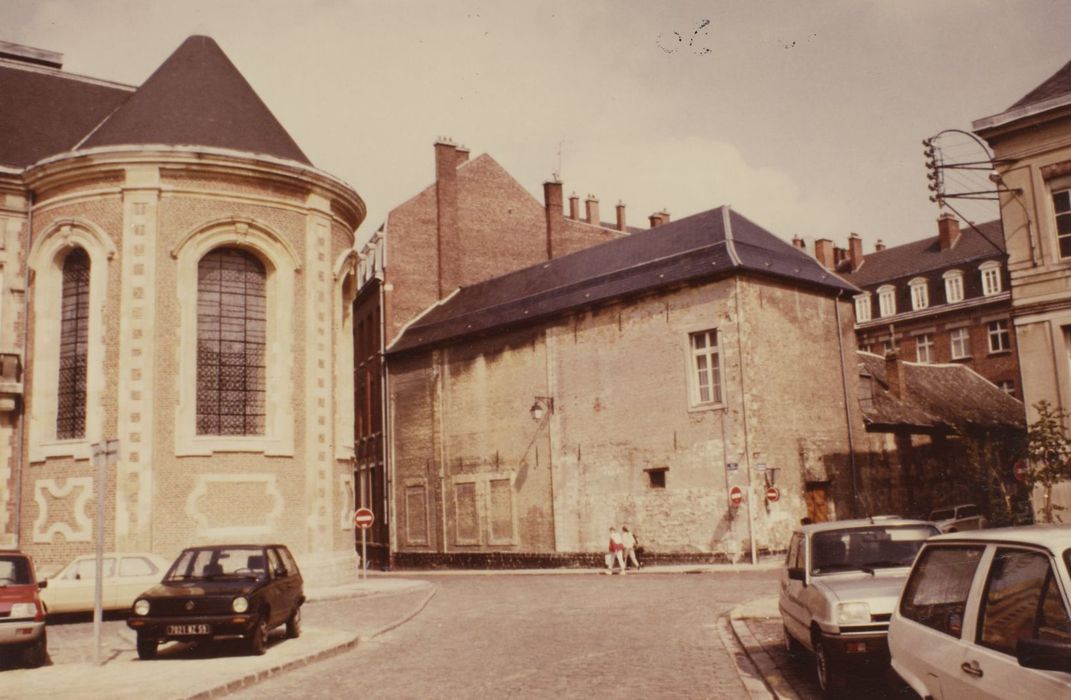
{"x":806,"y":117}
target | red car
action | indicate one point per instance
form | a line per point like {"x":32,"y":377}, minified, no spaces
{"x":22,"y":616}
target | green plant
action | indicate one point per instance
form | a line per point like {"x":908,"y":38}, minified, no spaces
{"x":1048,"y":449}
{"x":989,"y":477}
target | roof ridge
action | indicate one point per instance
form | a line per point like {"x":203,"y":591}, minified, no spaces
{"x":60,"y":73}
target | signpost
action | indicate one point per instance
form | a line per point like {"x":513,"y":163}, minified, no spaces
{"x":363,"y":519}
{"x":736,"y":496}
{"x":105,"y":454}
{"x":773,"y":494}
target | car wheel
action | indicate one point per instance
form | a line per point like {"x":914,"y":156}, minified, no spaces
{"x":36,"y":654}
{"x":792,"y":646}
{"x":146,"y":648}
{"x":832,"y":684}
{"x":258,"y":637}
{"x":293,"y":625}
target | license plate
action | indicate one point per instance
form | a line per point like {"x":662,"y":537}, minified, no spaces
{"x":180,"y":630}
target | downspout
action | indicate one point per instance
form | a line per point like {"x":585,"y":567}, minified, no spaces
{"x":439,"y":371}
{"x":20,"y":441}
{"x":388,"y":434}
{"x":847,"y":406}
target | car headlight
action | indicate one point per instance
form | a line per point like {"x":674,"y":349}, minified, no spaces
{"x":141,"y":607}
{"x":23,"y":610}
{"x":853,"y":613}
{"x":240,"y":604}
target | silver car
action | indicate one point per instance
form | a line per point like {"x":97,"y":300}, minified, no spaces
{"x":839,"y":586}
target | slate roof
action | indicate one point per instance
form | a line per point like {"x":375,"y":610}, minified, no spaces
{"x":1057,"y":85}
{"x":704,"y":246}
{"x":938,"y":397}
{"x":925,"y":255}
{"x":52,"y":112}
{"x":197,"y":98}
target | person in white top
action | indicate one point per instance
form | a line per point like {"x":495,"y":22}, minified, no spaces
{"x":614,"y":553}
{"x":628,"y":541}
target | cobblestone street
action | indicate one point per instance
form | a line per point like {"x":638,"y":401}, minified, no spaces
{"x":546,"y":636}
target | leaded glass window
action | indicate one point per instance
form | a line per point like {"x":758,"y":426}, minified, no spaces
{"x":74,"y":347}
{"x":231,"y":331}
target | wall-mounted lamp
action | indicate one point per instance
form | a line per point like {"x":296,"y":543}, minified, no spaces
{"x":540,"y":406}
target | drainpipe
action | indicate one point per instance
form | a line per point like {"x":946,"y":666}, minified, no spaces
{"x":747,"y":441}
{"x":847,"y":407}
{"x":386,"y":406}
{"x":20,"y":437}
{"x":440,"y":370}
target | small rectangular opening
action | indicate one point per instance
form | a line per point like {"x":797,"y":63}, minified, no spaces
{"x":656,"y":478}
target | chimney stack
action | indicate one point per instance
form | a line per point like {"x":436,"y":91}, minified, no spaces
{"x":894,"y":373}
{"x":448,"y":236}
{"x":574,"y":207}
{"x":552,"y":198}
{"x":855,"y":251}
{"x":592,"y":205}
{"x":798,"y":242}
{"x":879,"y":245}
{"x":823,"y":251}
{"x":947,"y":231}
{"x":462,"y":155}
{"x":665,"y":216}
{"x":621,"y":217}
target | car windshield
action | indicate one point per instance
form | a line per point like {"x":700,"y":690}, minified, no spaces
{"x":14,"y":571}
{"x":867,"y":548}
{"x":218,"y":563}
{"x":943,"y":514}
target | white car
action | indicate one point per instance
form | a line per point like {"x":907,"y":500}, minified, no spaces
{"x":74,"y":587}
{"x":987,"y":614}
{"x":958,"y":518}
{"x":840,"y":583}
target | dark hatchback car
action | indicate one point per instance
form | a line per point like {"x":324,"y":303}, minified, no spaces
{"x":221,"y":592}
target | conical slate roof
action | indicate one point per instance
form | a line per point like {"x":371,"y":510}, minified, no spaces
{"x":197,"y":98}
{"x":1058,"y":84}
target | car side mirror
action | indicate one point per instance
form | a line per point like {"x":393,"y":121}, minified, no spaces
{"x":42,"y":584}
{"x":1044,"y":655}
{"x":796,"y":573}
{"x":280,"y":572}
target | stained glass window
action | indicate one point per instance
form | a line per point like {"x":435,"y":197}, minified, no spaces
{"x":74,"y":346}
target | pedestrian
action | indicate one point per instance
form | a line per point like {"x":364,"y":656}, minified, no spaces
{"x":629,"y":542}
{"x":614,"y":553}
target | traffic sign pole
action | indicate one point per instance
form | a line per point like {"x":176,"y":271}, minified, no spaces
{"x":363,"y":518}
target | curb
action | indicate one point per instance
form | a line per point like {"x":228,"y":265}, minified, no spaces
{"x":774,"y":684}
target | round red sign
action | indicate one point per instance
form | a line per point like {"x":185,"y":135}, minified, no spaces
{"x":736,"y":495}
{"x":1021,"y":469}
{"x":773,"y":494}
{"x":364,"y":518}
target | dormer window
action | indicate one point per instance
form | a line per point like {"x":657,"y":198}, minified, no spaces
{"x":887,"y":301}
{"x":953,"y":286}
{"x":990,"y":277}
{"x":1061,"y":202}
{"x":920,"y":293}
{"x":862,"y":307}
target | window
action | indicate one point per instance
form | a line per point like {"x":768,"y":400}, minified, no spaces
{"x":1061,"y":202}
{"x":990,"y":278}
{"x":1022,"y":601}
{"x":953,"y":286}
{"x":924,"y":348}
{"x":136,"y":566}
{"x":920,"y":294}
{"x":656,"y":478}
{"x":886,"y":301}
{"x":231,"y":322}
{"x":999,"y":339}
{"x":706,"y":367}
{"x":793,"y":550}
{"x":862,"y":308}
{"x":73,"y":347}
{"x":961,"y":343}
{"x":936,"y":593}
{"x":1007,"y":386}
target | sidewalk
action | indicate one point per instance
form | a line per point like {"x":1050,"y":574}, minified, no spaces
{"x":757,"y":627}
{"x":362,"y":611}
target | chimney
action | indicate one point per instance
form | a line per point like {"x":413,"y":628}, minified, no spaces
{"x":947,"y":231}
{"x":823,"y":251}
{"x":552,"y":198}
{"x":462,"y":155}
{"x":894,"y":373}
{"x":879,"y":245}
{"x":655,"y":219}
{"x":592,"y":205}
{"x":665,"y":216}
{"x":855,"y":250}
{"x":574,"y":207}
{"x":621,"y":217}
{"x":448,"y":237}
{"x":797,"y":242}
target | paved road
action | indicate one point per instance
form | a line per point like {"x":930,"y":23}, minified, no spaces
{"x":577,"y":636}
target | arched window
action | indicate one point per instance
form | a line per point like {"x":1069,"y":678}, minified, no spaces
{"x":990,"y":277}
{"x":73,"y":347}
{"x":886,"y":300}
{"x":920,"y":293}
{"x":862,"y":307}
{"x":953,"y":286}
{"x":231,"y":334}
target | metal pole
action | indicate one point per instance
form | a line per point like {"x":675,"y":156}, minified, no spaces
{"x":99,"y":456}
{"x":364,"y":552}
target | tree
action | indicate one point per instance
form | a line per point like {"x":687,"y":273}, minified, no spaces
{"x":1048,"y":449}
{"x":987,"y":474}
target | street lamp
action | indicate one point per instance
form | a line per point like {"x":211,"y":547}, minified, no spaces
{"x":540,"y":406}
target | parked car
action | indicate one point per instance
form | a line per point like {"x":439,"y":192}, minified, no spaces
{"x":987,"y":615}
{"x":840,"y":583}
{"x":221,"y":591}
{"x":73,"y":589}
{"x":958,"y":518}
{"x":22,"y":616}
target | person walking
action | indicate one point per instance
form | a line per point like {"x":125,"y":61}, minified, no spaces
{"x":628,"y":543}
{"x":615,"y":552}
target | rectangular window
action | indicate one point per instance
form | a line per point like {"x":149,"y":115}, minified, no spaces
{"x":920,"y":296}
{"x":1061,"y":202}
{"x":886,"y":302}
{"x":656,"y":478}
{"x":416,"y":515}
{"x":862,"y":308}
{"x":706,"y":368}
{"x":999,"y":338}
{"x":501,"y":516}
{"x":961,"y":343}
{"x":954,"y":288}
{"x":1022,"y":601}
{"x":466,"y":513}
{"x":924,"y":348}
{"x":991,"y":280}
{"x":936,"y":593}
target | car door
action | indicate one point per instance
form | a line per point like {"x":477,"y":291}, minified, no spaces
{"x":136,"y":573}
{"x":793,"y":613}
{"x":290,"y":584}
{"x":1022,"y":599}
{"x":276,"y":590}
{"x":75,"y":587}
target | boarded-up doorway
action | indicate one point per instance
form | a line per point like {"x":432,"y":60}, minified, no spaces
{"x":817,"y":494}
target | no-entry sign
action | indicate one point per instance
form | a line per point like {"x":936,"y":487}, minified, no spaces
{"x":736,"y":495}
{"x":1020,"y":469}
{"x":773,"y":494}
{"x":364,"y":518}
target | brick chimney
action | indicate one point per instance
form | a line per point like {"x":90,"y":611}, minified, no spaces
{"x":448,"y":235}
{"x":947,"y":231}
{"x":894,"y":373}
{"x":823,"y":251}
{"x":621,"y":217}
{"x":592,"y":205}
{"x":462,"y":155}
{"x":798,"y":242}
{"x":855,"y":250}
{"x":552,"y":198}
{"x":665,"y":216}
{"x":659,"y":218}
{"x":574,"y":207}
{"x":879,"y":245}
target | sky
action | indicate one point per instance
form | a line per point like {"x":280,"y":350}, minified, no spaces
{"x":806,"y":117}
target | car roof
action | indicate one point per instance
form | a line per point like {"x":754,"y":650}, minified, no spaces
{"x":1055,"y":537}
{"x":861,"y":522}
